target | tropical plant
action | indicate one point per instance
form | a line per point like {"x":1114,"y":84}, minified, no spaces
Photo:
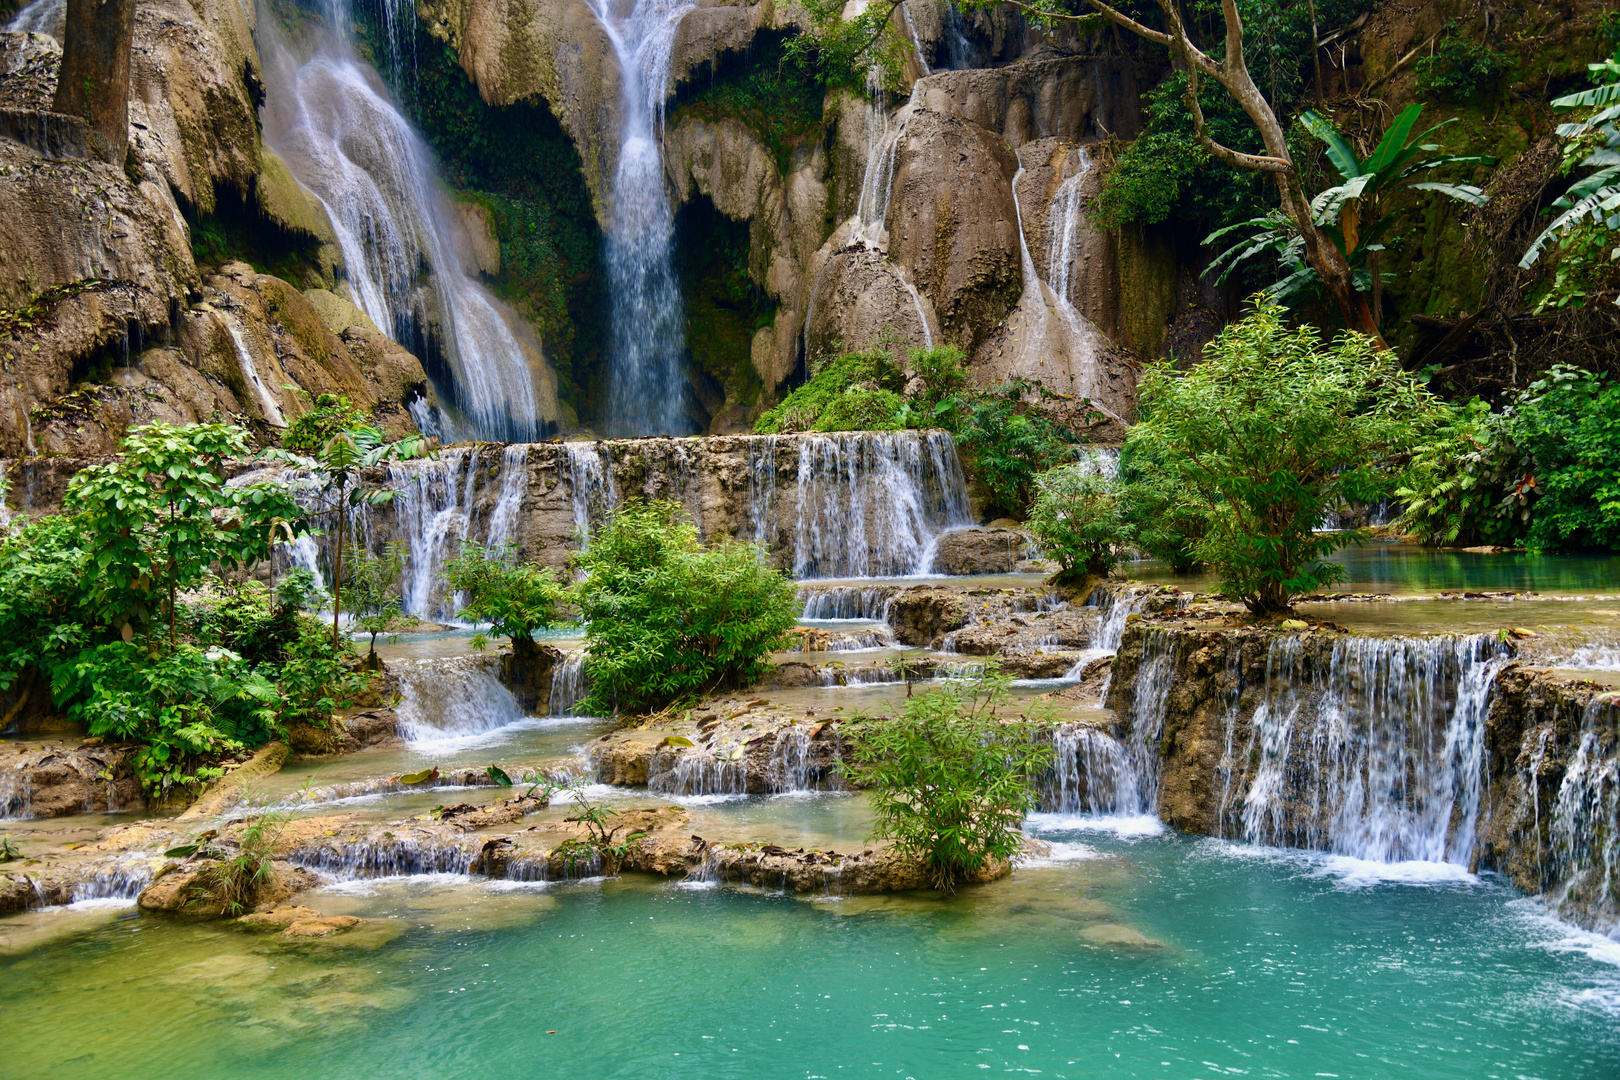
{"x":666,"y":617}
{"x":855,"y":391}
{"x":234,"y":884}
{"x":516,"y":598}
{"x":1167,"y":519}
{"x":1568,"y":423}
{"x":1006,"y":441}
{"x":1355,"y":214}
{"x":1587,"y":227}
{"x":951,"y":778}
{"x":9,"y":851}
{"x":602,"y":840}
{"x":335,"y":479}
{"x":1078,"y":520}
{"x":369,"y":595}
{"x":160,"y":515}
{"x":836,"y":49}
{"x":1453,"y":489}
{"x":1271,"y":431}
{"x":332,"y":413}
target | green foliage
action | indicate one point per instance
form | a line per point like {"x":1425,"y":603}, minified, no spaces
{"x":1568,"y":423}
{"x":1272,"y":430}
{"x":1586,"y":229}
{"x":46,"y":596}
{"x":184,"y":705}
{"x":311,"y":431}
{"x":667,"y":617}
{"x":514,"y":597}
{"x":161,"y":514}
{"x":9,"y":851}
{"x":863,"y":52}
{"x":1167,"y":519}
{"x":942,"y":370}
{"x":368,"y":591}
{"x":1461,"y":70}
{"x":951,"y":779}
{"x":316,"y":677}
{"x":1452,"y":489}
{"x":864,"y":376}
{"x":235,"y":883}
{"x":1006,"y":442}
{"x":776,"y":98}
{"x":1078,"y":518}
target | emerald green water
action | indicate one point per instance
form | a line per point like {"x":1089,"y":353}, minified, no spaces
{"x":1160,"y":957}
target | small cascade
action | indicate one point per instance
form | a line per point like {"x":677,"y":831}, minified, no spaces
{"x":39,"y":17}
{"x":269,"y":405}
{"x":788,"y":768}
{"x":698,"y":772}
{"x":16,"y":795}
{"x":454,"y":698}
{"x":371,"y":858}
{"x":349,"y":144}
{"x":648,"y":392}
{"x":846,"y":602}
{"x":916,"y":43}
{"x":433,"y":514}
{"x":1583,"y":835}
{"x":1092,"y":774}
{"x":569,"y":685}
{"x":762,"y":490}
{"x":124,"y":881}
{"x":874,"y":504}
{"x":503,"y":520}
{"x":1146,"y":714}
{"x":1052,"y":326}
{"x":1118,"y":605}
{"x":1377,"y":757}
{"x":590,"y":479}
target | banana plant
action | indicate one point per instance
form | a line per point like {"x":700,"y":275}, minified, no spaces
{"x":1592,"y":143}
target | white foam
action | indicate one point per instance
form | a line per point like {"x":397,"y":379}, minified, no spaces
{"x":1060,"y":852}
{"x":1349,"y":871}
{"x":452,"y":743}
{"x":96,"y":904}
{"x":1124,"y":826}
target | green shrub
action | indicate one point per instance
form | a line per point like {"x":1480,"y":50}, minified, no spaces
{"x":1078,"y":519}
{"x":368,"y":591}
{"x":1006,"y":442}
{"x":332,"y":413}
{"x":1568,"y":423}
{"x":858,"y":409}
{"x":951,"y":780}
{"x":1460,"y":70}
{"x":1167,"y":519}
{"x":514,"y":597}
{"x":667,"y":618}
{"x":1454,"y":486}
{"x":1272,"y":430}
{"x":862,"y":374}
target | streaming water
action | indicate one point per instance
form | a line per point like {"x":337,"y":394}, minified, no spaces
{"x":648,"y":389}
{"x":39,"y":17}
{"x":348,"y":143}
{"x":452,"y":698}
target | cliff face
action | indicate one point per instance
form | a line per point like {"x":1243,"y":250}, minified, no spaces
{"x":108,"y":320}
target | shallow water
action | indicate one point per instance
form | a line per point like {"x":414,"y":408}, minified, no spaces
{"x":1160,"y":956}
{"x":1406,"y":569}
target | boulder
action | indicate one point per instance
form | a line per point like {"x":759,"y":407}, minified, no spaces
{"x":923,"y":615}
{"x":51,"y":781}
{"x":980,"y":551}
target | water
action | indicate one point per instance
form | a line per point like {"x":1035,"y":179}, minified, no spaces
{"x":453,"y":699}
{"x":348,"y":143}
{"x":648,"y":388}
{"x":39,"y":17}
{"x":1160,"y":957}
{"x":873,"y":504}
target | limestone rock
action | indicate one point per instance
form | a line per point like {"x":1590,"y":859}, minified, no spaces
{"x":43,"y":782}
{"x":477,"y":245}
{"x":321,"y":927}
{"x":923,"y":615}
{"x":979,"y":551}
{"x":1075,"y":97}
{"x":338,"y":313}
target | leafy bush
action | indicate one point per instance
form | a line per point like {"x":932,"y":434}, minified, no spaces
{"x":1006,"y":442}
{"x":1167,"y":519}
{"x":1454,"y":488}
{"x":515,"y":598}
{"x":1568,"y":423}
{"x":951,"y":780}
{"x":332,"y":413}
{"x":1078,"y":519}
{"x":666,"y":617}
{"x":863,"y":376}
{"x":1272,"y":430}
{"x":368,"y":593}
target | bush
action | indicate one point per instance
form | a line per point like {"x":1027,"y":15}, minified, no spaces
{"x":667,"y":618}
{"x":515,"y":598}
{"x":860,"y":374}
{"x":1453,"y":488}
{"x":950,"y":779}
{"x":1166,"y":518}
{"x":1568,"y":424}
{"x":1460,"y":70}
{"x":332,"y":413}
{"x":1272,"y":430}
{"x":1078,"y":519}
{"x":1006,"y":442}
{"x":368,"y":591}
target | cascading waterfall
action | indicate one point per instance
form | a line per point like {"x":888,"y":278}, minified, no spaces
{"x":569,"y":685}
{"x":1378,"y":757}
{"x":268,"y":403}
{"x":1117,"y":608}
{"x":590,"y":480}
{"x":874,"y":504}
{"x":454,"y":698}
{"x":1584,"y":820}
{"x":39,"y":17}
{"x":350,"y":145}
{"x":648,"y":391}
{"x":846,"y":602}
{"x":1092,"y":774}
{"x":1051,"y":325}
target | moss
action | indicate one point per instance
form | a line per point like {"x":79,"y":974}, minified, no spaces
{"x":724,"y":307}
{"x":869,"y":379}
{"x":774,"y":98}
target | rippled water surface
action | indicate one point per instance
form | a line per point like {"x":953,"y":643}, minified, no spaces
{"x":1156,"y":955}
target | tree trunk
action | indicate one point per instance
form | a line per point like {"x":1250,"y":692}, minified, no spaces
{"x":94,"y":79}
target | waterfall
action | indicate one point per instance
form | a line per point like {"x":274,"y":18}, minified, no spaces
{"x":1117,"y":608}
{"x":590,"y":479}
{"x":38,"y":17}
{"x":916,"y":43}
{"x":1378,"y":757}
{"x":1584,"y":820}
{"x":455,"y":698}
{"x":268,"y":403}
{"x":846,"y":602}
{"x":699,"y":773}
{"x":433,"y":514}
{"x":339,"y":133}
{"x":873,"y":504}
{"x":1051,"y":325}
{"x":648,"y":391}
{"x":569,"y":685}
{"x":1066,"y":218}
{"x":1092,"y":774}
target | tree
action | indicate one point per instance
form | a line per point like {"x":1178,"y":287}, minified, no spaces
{"x":951,"y":780}
{"x":667,"y":617}
{"x":93,"y":81}
{"x":514,"y":597}
{"x":1078,"y":519}
{"x":161,"y":514}
{"x":337,"y":483}
{"x":369,"y":593}
{"x":1271,"y":431}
